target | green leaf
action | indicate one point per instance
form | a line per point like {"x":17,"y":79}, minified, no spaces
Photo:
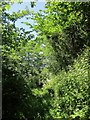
{"x":7,"y":6}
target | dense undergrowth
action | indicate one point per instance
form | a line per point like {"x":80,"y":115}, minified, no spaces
{"x":47,"y":77}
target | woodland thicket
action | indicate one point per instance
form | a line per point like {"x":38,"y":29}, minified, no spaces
{"x":46,"y":77}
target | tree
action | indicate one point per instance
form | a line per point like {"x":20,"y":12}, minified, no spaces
{"x":65,"y":31}
{"x":47,"y":77}
{"x":21,"y":67}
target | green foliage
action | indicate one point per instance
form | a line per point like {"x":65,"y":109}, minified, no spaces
{"x":71,"y":90}
{"x":58,"y":57}
{"x":21,"y":67}
{"x":65,"y":26}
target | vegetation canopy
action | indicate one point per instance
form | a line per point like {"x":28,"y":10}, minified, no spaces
{"x":46,"y":77}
